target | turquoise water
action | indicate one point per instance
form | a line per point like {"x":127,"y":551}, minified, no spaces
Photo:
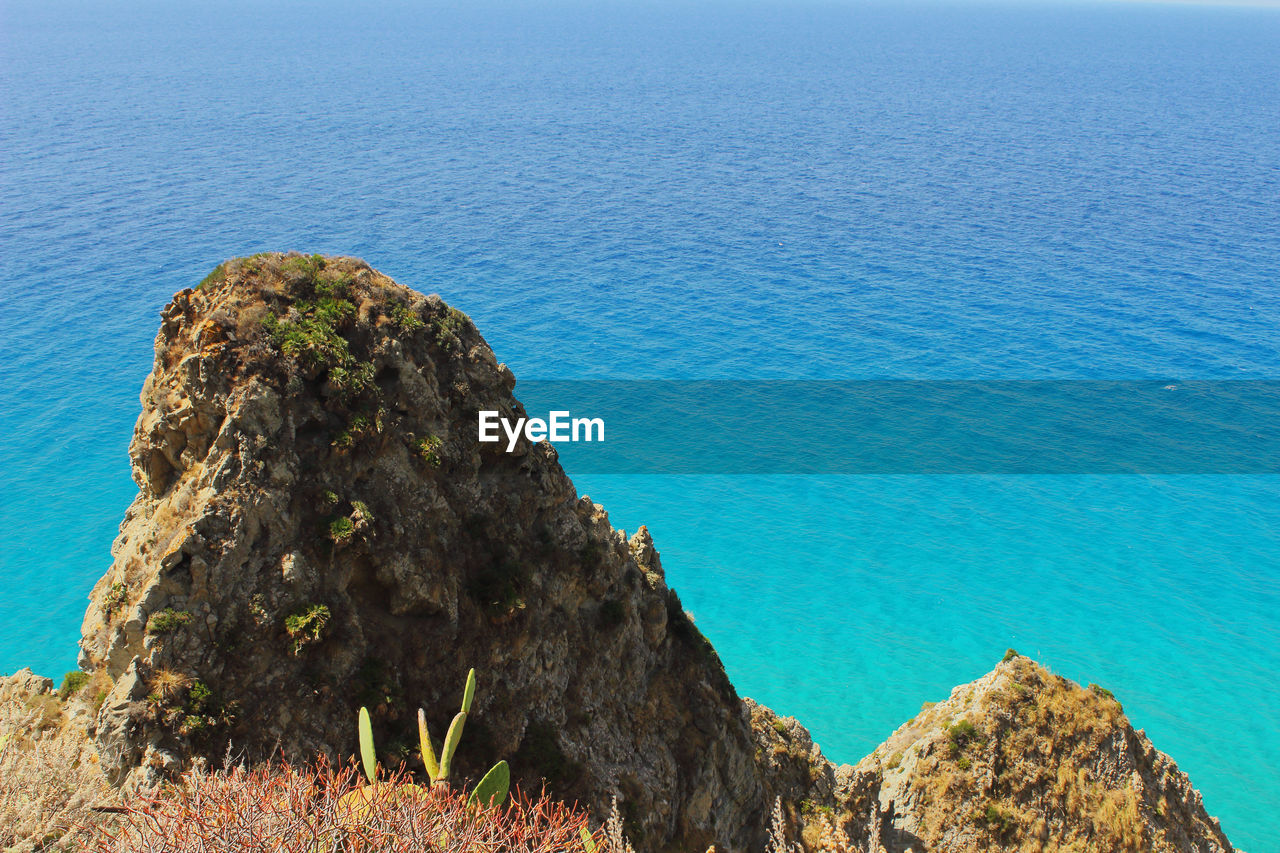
{"x":734,"y":190}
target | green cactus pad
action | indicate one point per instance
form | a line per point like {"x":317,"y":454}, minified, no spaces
{"x":469,"y":693}
{"x":451,"y":744}
{"x":367,"y":755}
{"x":492,"y":790}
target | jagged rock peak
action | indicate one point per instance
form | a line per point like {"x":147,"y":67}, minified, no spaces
{"x":1025,"y":760}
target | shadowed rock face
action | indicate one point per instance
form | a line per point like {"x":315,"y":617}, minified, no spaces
{"x":317,"y":528}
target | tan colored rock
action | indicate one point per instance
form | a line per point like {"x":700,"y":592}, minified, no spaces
{"x":1024,"y":760}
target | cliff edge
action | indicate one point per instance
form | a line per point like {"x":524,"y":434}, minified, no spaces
{"x":317,"y":528}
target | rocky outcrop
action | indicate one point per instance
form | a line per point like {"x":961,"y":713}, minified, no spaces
{"x":1025,"y":760}
{"x":317,"y":528}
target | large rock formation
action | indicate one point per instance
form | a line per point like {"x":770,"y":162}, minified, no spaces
{"x":318,"y":528}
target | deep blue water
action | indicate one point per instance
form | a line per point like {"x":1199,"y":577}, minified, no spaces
{"x":716,"y":191}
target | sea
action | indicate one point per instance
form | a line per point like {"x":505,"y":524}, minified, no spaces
{"x":752,"y":190}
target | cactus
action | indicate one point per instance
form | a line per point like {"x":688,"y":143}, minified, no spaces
{"x":428,"y":751}
{"x":492,"y":789}
{"x":450,"y":746}
{"x":469,"y":692}
{"x":452,"y":738}
{"x":367,"y":755}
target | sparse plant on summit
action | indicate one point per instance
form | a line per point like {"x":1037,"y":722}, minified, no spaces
{"x":311,"y":333}
{"x":216,"y":277}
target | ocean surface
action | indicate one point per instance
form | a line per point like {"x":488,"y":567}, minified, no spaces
{"x":748,"y":190}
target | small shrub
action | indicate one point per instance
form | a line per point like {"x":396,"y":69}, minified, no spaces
{"x":498,"y":585}
{"x":117,"y":596}
{"x":1102,"y":691}
{"x":342,"y":530}
{"x":305,"y":267}
{"x":998,"y":819}
{"x":405,"y":318}
{"x":258,"y":609}
{"x":961,"y":735}
{"x":895,"y":762}
{"x":167,"y":621}
{"x":590,"y":554}
{"x":429,"y":450}
{"x":350,"y":381}
{"x":358,"y":427}
{"x":1009,"y":655}
{"x":306,"y":626}
{"x":329,"y":498}
{"x":332,"y":312}
{"x":812,"y":809}
{"x":336,"y":288}
{"x":963,"y":762}
{"x":72,"y":683}
{"x":198,"y":715}
{"x":316,"y":344}
{"x":449,"y":328}
{"x":540,"y":751}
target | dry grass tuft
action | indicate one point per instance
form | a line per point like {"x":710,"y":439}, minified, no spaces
{"x":169,"y":686}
